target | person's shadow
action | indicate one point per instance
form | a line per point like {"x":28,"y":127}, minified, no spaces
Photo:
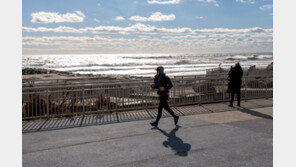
{"x":175,"y":142}
{"x":254,"y":113}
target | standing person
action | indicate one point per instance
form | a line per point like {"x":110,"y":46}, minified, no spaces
{"x":163,"y":84}
{"x":228,"y":79}
{"x":235,"y":83}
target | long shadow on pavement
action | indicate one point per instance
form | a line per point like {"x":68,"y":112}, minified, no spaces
{"x":254,"y":113}
{"x":175,"y":142}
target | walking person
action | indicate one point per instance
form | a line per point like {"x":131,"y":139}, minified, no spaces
{"x":235,"y":83}
{"x":163,"y":84}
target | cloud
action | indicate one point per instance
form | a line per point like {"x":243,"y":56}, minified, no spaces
{"x":246,"y":1}
{"x":182,"y":36}
{"x":157,"y":16}
{"x":214,"y":2}
{"x":49,"y":39}
{"x":136,"y":28}
{"x":119,"y":18}
{"x":50,"y":17}
{"x":265,"y":7}
{"x":96,"y":20}
{"x":171,"y":43}
{"x":163,"y":2}
{"x":200,"y":17}
{"x":139,"y":28}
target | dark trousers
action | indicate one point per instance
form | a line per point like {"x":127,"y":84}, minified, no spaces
{"x":232,"y":97}
{"x":163,"y":103}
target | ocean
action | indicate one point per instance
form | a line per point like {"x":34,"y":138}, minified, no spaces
{"x":143,"y":64}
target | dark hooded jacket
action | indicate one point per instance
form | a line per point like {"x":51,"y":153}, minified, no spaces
{"x":235,"y":79}
{"x":162,"y":81}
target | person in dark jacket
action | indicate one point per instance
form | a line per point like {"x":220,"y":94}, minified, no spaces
{"x":228,"y":79}
{"x":163,"y":84}
{"x":235,"y":82}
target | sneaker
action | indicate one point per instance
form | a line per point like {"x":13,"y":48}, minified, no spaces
{"x":230,"y":105}
{"x":238,"y":105}
{"x":153,"y":124}
{"x":176,"y":119}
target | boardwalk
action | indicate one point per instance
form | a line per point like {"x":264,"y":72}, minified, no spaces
{"x":208,"y":135}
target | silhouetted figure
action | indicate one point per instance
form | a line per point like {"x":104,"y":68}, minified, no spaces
{"x":175,"y":142}
{"x":163,"y":84}
{"x":228,"y":79}
{"x":235,"y":82}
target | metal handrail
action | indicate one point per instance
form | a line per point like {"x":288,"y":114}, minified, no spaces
{"x":52,"y":101}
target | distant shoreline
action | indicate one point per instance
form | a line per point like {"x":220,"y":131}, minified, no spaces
{"x":35,"y":73}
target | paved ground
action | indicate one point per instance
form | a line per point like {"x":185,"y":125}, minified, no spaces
{"x":235,"y":137}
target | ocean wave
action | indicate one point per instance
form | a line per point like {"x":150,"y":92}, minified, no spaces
{"x":236,"y":57}
{"x":249,"y":57}
{"x":38,"y":64}
{"x":264,"y":56}
{"x":147,"y":57}
{"x":92,"y":70}
{"x":180,"y":62}
{"x":120,"y":64}
{"x":259,"y":57}
{"x":139,"y":64}
{"x":95,"y":65}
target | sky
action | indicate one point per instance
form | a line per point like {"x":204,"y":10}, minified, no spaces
{"x":146,"y":26}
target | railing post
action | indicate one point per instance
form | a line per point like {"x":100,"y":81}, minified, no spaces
{"x":215,"y":86}
{"x":183,"y":90}
{"x":142,"y":104}
{"x":223,"y":90}
{"x":174,"y":96}
{"x":146,"y":97}
{"x":47,"y":103}
{"x":245,"y":84}
{"x":266,"y":96}
{"x":199,"y":90}
{"x":83,"y":107}
{"x":116,"y":99}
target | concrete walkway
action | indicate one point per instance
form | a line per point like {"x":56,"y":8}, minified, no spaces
{"x":237,"y":137}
